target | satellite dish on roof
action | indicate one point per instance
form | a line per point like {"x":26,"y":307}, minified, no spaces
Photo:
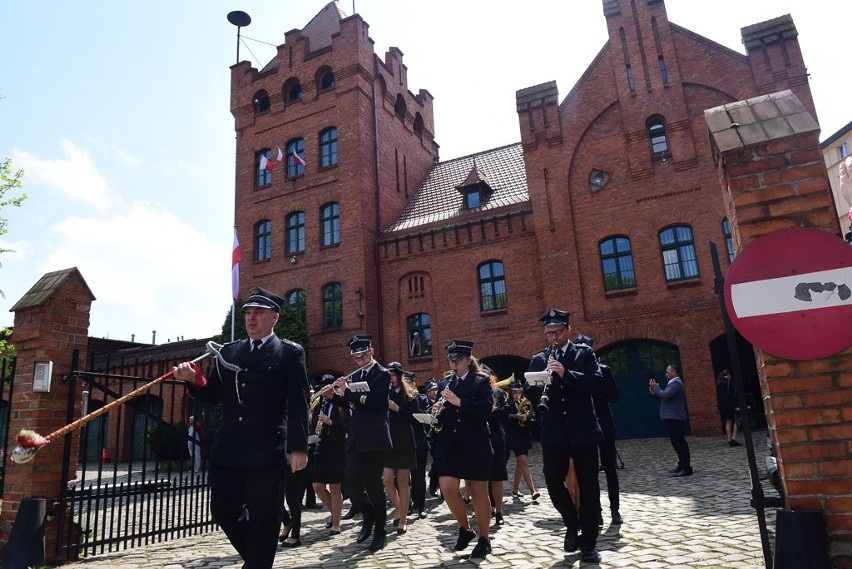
{"x":241,"y":20}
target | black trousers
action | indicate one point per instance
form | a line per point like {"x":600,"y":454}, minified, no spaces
{"x":418,"y":480}
{"x":294,"y":488}
{"x":258,"y":489}
{"x":556,"y":460}
{"x":363,"y":480}
{"x":606,"y":448}
{"x":676,"y":436}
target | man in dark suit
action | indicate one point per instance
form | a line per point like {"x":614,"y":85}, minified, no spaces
{"x":569,"y":430}
{"x":263,"y":387}
{"x":369,"y":438}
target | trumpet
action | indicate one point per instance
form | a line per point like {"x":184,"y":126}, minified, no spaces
{"x":524,"y":408}
{"x":544,"y":402}
{"x":442,"y":403}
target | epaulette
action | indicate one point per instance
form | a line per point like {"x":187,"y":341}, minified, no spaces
{"x":292,"y":343}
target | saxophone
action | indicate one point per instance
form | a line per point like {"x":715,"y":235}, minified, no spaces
{"x":524,"y":408}
{"x":544,"y":402}
{"x":437,"y":425}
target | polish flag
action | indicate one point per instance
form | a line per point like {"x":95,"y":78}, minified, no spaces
{"x":280,"y":156}
{"x":299,"y":160}
{"x":236,"y":257}
{"x":265,"y":163}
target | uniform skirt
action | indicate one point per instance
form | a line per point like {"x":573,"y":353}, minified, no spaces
{"x":401,"y":459}
{"x":329,"y":463}
{"x":459,"y":465}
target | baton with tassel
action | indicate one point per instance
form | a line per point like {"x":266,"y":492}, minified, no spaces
{"x":29,"y":442}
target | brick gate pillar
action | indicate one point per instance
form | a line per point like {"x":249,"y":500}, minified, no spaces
{"x":51,"y":321}
{"x":773,"y":177}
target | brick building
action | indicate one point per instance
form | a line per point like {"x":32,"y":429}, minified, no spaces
{"x":604,"y":208}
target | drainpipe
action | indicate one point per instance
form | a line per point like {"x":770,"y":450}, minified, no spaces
{"x":379,"y":303}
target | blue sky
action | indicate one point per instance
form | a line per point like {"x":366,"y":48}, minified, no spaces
{"x":119,"y":114}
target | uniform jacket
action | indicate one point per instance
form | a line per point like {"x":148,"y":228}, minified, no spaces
{"x":333,"y":435}
{"x":517,"y":436}
{"x":571,"y":419}
{"x":607,"y":393}
{"x":264,"y":405}
{"x":402,"y":423}
{"x":368,"y":429}
{"x":466,"y":425}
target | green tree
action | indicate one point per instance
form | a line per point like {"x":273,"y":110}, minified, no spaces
{"x":10,"y":179}
{"x":289,"y":326}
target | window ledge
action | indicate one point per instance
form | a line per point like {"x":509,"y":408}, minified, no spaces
{"x":263,"y":186}
{"x":684,"y":283}
{"x":330,"y":245}
{"x":260,"y":261}
{"x":420,"y":359}
{"x":329,"y":167}
{"x":495,"y":312}
{"x":621,"y":292}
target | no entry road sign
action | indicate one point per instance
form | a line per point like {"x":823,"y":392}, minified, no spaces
{"x":789,"y":293}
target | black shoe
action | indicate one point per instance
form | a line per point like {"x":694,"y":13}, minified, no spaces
{"x":421,"y":514}
{"x":400,"y":531}
{"x":483,"y":548}
{"x":517,"y":495}
{"x":396,"y":521}
{"x":682,"y":472}
{"x":465,"y":535}
{"x":498,"y":519}
{"x":327,"y":525}
{"x":673,"y":470}
{"x":296,"y":543}
{"x":350,"y":514}
{"x":365,"y":533}
{"x":616,"y":518}
{"x":570,"y":543}
{"x":535,"y":496}
{"x":734,"y":443}
{"x":590,"y":556}
{"x":379,"y":540}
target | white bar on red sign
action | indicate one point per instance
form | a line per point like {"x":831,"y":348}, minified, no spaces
{"x":823,"y":289}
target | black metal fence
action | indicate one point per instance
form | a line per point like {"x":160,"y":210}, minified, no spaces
{"x":7,"y":376}
{"x":134,"y":481}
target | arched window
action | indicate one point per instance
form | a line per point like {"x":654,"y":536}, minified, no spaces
{"x":492,"y":286}
{"x":330,"y":224}
{"x":332,"y":306}
{"x":295,"y":232}
{"x":295,"y":157}
{"x":262,"y":240}
{"x":328,"y":147}
{"x":263,"y":168}
{"x":399,"y":107}
{"x":617,"y":263}
{"x":657,"y":136}
{"x":325,"y":78}
{"x":678,"y":250}
{"x":418,"y":124}
{"x":293,"y":90}
{"x":729,"y":242}
{"x":260,"y":102}
{"x":419,"y":335}
{"x":296,"y":301}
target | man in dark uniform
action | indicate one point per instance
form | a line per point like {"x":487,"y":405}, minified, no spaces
{"x":606,"y":393}
{"x":369,"y":438}
{"x":262,"y":385}
{"x":569,"y":430}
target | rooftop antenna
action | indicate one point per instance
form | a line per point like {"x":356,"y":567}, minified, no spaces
{"x":241,"y":20}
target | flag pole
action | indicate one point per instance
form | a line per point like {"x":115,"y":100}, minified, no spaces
{"x":233,"y":319}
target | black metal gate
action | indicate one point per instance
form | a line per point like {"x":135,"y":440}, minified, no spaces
{"x":7,"y":376}
{"x":131,"y":482}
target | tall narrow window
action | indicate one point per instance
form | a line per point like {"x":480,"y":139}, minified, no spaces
{"x":260,"y":102}
{"x":663,"y":73}
{"x":332,"y":306}
{"x":630,"y":82}
{"x":296,"y":301}
{"x":492,"y":286}
{"x":657,"y":136}
{"x":678,"y":251}
{"x":294,"y":92}
{"x":419,"y":335}
{"x":263,"y":168}
{"x":729,"y":241}
{"x":617,"y":263}
{"x":328,"y":147}
{"x":330,"y":224}
{"x":262,"y":240}
{"x":295,"y":158}
{"x":295,"y":227}
{"x":327,"y":81}
{"x":843,"y":151}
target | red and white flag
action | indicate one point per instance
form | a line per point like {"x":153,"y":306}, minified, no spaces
{"x":265,"y":163}
{"x":236,"y":257}
{"x":299,"y":160}
{"x":280,"y":156}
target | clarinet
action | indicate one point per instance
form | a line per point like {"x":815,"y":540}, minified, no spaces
{"x":544,"y":403}
{"x":320,"y":426}
{"x":436,"y":424}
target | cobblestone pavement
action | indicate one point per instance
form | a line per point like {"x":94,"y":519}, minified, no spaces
{"x":699,"y":521}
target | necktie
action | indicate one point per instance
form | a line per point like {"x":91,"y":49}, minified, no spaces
{"x":255,"y":345}
{"x":559,"y":354}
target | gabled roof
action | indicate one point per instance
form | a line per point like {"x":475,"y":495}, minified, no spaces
{"x":46,"y":286}
{"x":438,"y":198}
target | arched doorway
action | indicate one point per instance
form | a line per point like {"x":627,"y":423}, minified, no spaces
{"x":141,"y":422}
{"x":94,"y":434}
{"x":637,"y":413}
{"x":748,"y":368}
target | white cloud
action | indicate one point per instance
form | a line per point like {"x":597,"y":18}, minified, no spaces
{"x":74,"y":176}
{"x":127,"y":159}
{"x":14,"y":251}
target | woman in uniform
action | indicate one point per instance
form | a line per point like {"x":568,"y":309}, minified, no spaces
{"x":401,"y":460}
{"x":330,"y":422}
{"x":499,"y":474}
{"x":519,"y":439}
{"x":462,"y":443}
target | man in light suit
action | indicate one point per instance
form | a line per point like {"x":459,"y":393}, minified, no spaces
{"x":369,"y":438}
{"x":263,"y":387}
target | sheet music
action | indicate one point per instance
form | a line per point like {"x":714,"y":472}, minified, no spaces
{"x":537,"y":378}
{"x":359,"y":387}
{"x":425,"y":418}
